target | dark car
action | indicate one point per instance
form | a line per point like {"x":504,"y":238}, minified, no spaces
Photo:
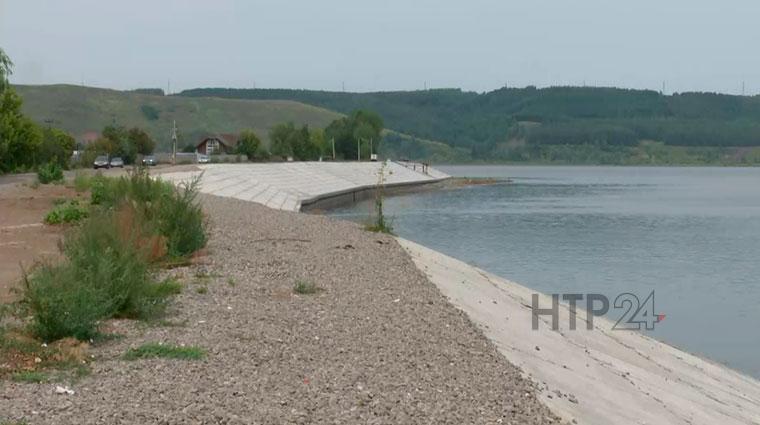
{"x":149,"y":160}
{"x":117,"y":162}
{"x":101,"y":162}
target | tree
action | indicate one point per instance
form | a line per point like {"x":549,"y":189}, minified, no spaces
{"x":116,"y":142}
{"x":248,"y":144}
{"x":360,"y":127}
{"x":279,"y":136}
{"x":20,"y":138}
{"x":140,"y":141}
{"x":57,"y":146}
{"x":6,"y":69}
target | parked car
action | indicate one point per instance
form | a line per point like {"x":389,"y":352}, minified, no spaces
{"x":203,"y":159}
{"x":149,"y":160}
{"x":117,"y":162}
{"x":101,"y":162}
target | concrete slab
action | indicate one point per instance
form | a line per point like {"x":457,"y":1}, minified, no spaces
{"x":288,"y":185}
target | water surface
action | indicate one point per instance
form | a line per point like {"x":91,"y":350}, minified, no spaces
{"x":690,"y":234}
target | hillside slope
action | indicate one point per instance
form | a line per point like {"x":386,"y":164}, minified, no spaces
{"x":539,"y":121}
{"x":79,"y":110}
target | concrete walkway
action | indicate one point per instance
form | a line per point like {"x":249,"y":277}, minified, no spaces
{"x":285,"y":186}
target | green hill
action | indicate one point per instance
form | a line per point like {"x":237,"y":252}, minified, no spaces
{"x":79,"y":110}
{"x":557,"y":124}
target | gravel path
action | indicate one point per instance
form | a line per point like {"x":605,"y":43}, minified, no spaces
{"x":378,"y":343}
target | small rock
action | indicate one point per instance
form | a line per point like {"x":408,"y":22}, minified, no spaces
{"x":538,"y":348}
{"x":63,"y":390}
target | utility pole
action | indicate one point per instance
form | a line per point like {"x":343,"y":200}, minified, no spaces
{"x":333,"y":146}
{"x":663,"y":88}
{"x":174,"y":142}
{"x":358,"y":149}
{"x":370,"y":148}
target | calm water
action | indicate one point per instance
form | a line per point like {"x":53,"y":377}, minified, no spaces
{"x":690,"y":234}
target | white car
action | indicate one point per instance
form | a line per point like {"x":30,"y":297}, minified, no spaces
{"x":203,"y":159}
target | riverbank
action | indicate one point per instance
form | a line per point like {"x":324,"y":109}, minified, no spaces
{"x":601,"y":376}
{"x":377,"y":343}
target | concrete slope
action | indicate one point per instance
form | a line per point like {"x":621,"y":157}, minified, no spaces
{"x":598,"y":376}
{"x":286,"y":185}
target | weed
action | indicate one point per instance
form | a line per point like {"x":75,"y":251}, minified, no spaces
{"x":306,"y":288}
{"x":231,"y":282}
{"x":154,"y":350}
{"x":380,"y":224}
{"x":66,"y":212}
{"x":202,"y":289}
{"x":49,"y":173}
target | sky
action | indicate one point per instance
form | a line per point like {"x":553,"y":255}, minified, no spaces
{"x":477,"y":45}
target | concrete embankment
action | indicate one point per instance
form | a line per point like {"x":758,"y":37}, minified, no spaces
{"x":600,"y":376}
{"x":296,"y":186}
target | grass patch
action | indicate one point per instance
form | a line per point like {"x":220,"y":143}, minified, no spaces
{"x":306,"y":288}
{"x":82,"y":181}
{"x":231,"y":282}
{"x":154,"y":350}
{"x":202,"y":289}
{"x":66,"y":212}
{"x":30,"y":376}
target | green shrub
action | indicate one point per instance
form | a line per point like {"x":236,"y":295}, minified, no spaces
{"x":50,"y":172}
{"x":174,"y":211}
{"x":182,"y":220}
{"x":66,"y":212}
{"x":102,"y":191}
{"x":106,"y":275}
{"x":154,"y":350}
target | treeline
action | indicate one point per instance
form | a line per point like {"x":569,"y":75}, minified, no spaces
{"x":355,"y":136}
{"x":24,"y":145}
{"x":483,"y":123}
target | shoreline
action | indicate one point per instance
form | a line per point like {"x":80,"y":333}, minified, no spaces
{"x":598,"y":376}
{"x":398,"y":332}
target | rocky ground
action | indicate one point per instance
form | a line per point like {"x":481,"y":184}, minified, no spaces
{"x":376,"y":344}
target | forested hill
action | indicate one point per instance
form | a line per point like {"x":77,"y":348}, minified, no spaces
{"x":522,"y":123}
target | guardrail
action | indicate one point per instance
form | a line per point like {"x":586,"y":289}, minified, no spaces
{"x":413,"y":165}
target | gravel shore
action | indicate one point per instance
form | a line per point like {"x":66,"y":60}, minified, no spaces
{"x":377,"y":344}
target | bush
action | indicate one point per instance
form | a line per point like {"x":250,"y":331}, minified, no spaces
{"x":50,"y":172}
{"x":174,"y":212}
{"x":182,"y":221}
{"x":106,"y":275}
{"x":66,"y":212}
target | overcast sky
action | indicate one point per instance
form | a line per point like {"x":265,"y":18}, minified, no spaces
{"x":704,"y":45}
